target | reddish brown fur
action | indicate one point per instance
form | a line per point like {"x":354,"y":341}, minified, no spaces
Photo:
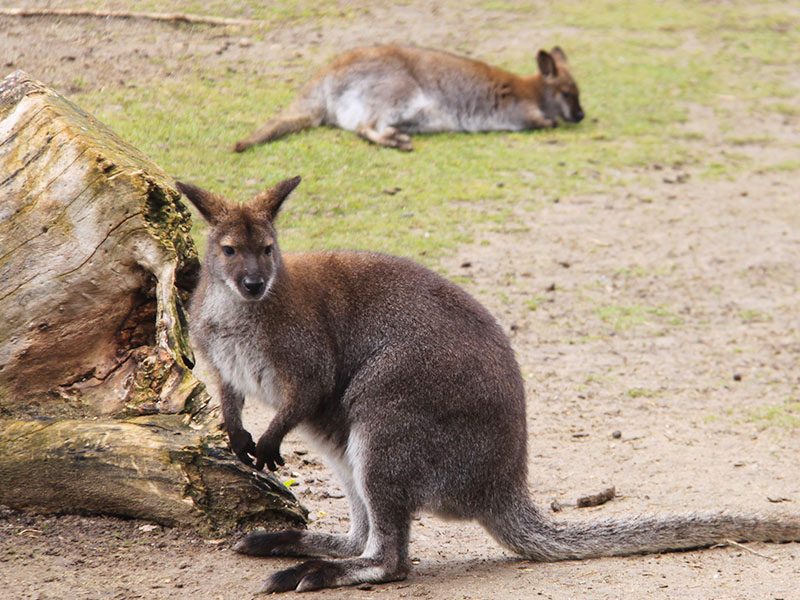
{"x":386,"y":93}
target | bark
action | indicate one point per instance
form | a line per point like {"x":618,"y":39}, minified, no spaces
{"x":96,"y":261}
{"x":154,"y":467}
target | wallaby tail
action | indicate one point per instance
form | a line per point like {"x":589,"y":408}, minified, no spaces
{"x":527,"y":531}
{"x":278,"y":127}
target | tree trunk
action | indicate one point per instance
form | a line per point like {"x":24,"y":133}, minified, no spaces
{"x":99,"y":410}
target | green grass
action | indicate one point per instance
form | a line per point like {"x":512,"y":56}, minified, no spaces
{"x":638,"y":392}
{"x":533,"y":304}
{"x":270,"y":13}
{"x":750,"y":315}
{"x":639,"y":64}
{"x":627,"y":317}
{"x":786,"y":166}
{"x":782,"y":415}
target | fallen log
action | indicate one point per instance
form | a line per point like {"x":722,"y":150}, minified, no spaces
{"x":99,"y":409}
{"x":155,"y":468}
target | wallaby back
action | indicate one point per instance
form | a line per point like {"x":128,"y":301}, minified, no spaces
{"x":410,"y":390}
{"x":385,"y":93}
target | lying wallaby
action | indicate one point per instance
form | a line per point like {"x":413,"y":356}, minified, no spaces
{"x":384,"y":93}
{"x":409,"y":389}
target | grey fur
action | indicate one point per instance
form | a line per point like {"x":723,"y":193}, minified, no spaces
{"x":411,"y":391}
{"x":385,"y":93}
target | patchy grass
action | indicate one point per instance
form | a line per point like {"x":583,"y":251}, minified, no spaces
{"x":533,"y":304}
{"x":627,"y":317}
{"x":751,"y":315}
{"x":638,"y":392}
{"x":781,"y":415}
{"x":750,"y":140}
{"x":637,"y":271}
{"x":271,"y":13}
{"x":640,"y":64}
{"x":786,"y":166}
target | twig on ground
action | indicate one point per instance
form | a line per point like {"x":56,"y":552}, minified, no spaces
{"x":750,"y":550}
{"x":596,"y":499}
{"x":585,"y":501}
{"x":97,"y":14}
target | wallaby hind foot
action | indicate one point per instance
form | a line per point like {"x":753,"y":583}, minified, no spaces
{"x":294,"y":542}
{"x":318,"y":574}
{"x":388,"y":137}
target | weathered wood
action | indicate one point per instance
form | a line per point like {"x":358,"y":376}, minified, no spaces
{"x":153,"y":467}
{"x":92,"y":242}
{"x":99,"y":410}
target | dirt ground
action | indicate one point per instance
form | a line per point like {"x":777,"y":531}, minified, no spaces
{"x":690,"y":356}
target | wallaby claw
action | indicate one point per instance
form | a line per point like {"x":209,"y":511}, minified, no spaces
{"x":267,"y":452}
{"x":242,"y":445}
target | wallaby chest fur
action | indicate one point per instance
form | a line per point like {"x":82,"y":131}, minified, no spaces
{"x":385,"y":93}
{"x":409,"y":388}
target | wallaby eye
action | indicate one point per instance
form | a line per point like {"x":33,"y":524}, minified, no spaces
{"x":268,"y":249}
{"x":228,"y":250}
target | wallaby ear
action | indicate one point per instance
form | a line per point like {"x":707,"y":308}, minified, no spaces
{"x":212,"y":207}
{"x":558,"y":54}
{"x":547,"y":64}
{"x":267,"y":204}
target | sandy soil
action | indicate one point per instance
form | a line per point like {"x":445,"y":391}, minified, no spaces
{"x":667,"y":312}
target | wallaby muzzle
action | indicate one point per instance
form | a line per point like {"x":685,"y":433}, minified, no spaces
{"x":253,"y":286}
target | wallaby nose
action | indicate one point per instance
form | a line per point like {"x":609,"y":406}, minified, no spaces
{"x":253,"y":284}
{"x":579,"y":116}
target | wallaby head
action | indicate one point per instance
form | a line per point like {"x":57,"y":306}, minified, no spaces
{"x":242,"y":250}
{"x":561,"y":95}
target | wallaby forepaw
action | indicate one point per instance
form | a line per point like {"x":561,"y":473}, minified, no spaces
{"x":242,"y":445}
{"x":268,"y":453}
{"x":240,"y":146}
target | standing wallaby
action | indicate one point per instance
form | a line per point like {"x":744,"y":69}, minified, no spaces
{"x":384,"y":93}
{"x":409,"y":389}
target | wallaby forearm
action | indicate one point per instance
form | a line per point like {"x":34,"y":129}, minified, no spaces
{"x":231,"y":403}
{"x":294,"y":409}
